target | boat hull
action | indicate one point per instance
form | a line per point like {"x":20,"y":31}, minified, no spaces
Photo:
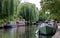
{"x":46,"y":30}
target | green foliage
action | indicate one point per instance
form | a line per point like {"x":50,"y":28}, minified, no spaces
{"x":7,"y":9}
{"x":29,"y":12}
{"x":52,"y":5}
{"x":42,"y":15}
{"x":55,"y":16}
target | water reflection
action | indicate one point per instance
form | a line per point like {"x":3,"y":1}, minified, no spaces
{"x":20,"y":32}
{"x":11,"y":32}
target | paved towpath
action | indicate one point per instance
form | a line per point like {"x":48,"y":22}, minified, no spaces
{"x":57,"y":35}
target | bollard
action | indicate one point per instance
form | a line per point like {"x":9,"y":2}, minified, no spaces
{"x":46,"y":31}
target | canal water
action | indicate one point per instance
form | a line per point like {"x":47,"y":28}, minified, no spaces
{"x":19,"y":32}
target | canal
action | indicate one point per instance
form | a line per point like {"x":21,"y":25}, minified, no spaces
{"x":19,"y":32}
{"x":22,"y":32}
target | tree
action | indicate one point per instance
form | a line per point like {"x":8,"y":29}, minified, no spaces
{"x":29,"y":12}
{"x":42,"y":15}
{"x":52,"y":5}
{"x":8,"y":9}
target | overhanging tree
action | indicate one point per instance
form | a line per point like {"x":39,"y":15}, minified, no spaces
{"x":29,"y":12}
{"x":42,"y":15}
{"x":8,"y":9}
{"x":52,"y":5}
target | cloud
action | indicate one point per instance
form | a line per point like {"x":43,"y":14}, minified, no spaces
{"x":36,"y":2}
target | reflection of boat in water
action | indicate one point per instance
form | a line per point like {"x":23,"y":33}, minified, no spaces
{"x":1,"y":27}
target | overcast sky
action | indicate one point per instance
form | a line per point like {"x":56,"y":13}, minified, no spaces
{"x":36,"y":2}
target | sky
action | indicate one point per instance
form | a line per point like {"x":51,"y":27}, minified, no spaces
{"x":36,"y":2}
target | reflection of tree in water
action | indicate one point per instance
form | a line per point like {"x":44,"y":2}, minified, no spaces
{"x":8,"y":33}
{"x":20,"y":32}
{"x":7,"y":30}
{"x":17,"y":32}
{"x":30,"y":32}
